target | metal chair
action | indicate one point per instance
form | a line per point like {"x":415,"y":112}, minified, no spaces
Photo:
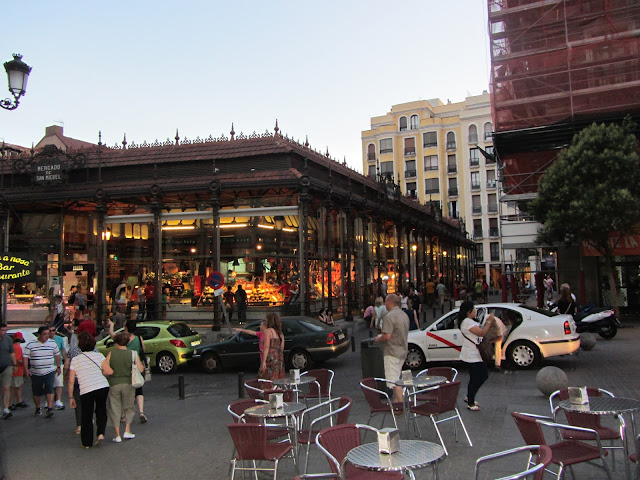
{"x":335,"y":442}
{"x":339,"y":413}
{"x":321,"y":388}
{"x":634,"y":458}
{"x":446,"y":396}
{"x":543,"y":460}
{"x":255,"y":387}
{"x":250,"y":440}
{"x":565,"y":453}
{"x":449,"y":372}
{"x":288,"y":395}
{"x":376,"y":406}
{"x":237,"y":409}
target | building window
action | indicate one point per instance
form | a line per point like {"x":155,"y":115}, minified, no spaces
{"x":386,"y":169}
{"x":474,"y":157}
{"x":414,"y":122}
{"x":493,"y":228}
{"x":410,"y":169}
{"x":372,"y":172}
{"x":495,"y":251}
{"x":451,"y":140}
{"x":453,"y":209}
{"x":403,"y":123}
{"x":492,"y":152}
{"x":386,"y":145}
{"x":371,"y":152}
{"x":430,"y":139}
{"x":412,"y":189}
{"x":453,"y":187}
{"x":473,"y":134}
{"x":480,"y":253}
{"x":488,"y":131}
{"x":477,"y":228}
{"x":492,"y":204}
{"x":475,"y":180}
{"x":431,"y":162}
{"x":491,"y":179}
{"x":410,"y":146}
{"x":476,"y":205}
{"x":431,"y":185}
{"x":452,"y":164}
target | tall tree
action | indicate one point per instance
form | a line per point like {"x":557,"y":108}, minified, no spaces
{"x":592,"y":192}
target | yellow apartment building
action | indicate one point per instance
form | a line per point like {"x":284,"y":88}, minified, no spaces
{"x":433,"y":150}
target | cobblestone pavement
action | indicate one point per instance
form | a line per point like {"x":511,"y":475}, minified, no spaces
{"x":188,"y":438}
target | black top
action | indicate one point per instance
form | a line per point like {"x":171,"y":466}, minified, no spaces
{"x":565,"y":307}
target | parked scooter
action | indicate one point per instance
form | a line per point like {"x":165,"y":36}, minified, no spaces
{"x":600,"y":320}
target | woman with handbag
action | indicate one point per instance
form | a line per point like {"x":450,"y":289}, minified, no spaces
{"x":121,"y":391}
{"x":90,"y":368}
{"x":472,"y":332}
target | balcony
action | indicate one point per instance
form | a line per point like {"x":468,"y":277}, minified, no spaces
{"x":489,"y":161}
{"x":488,"y":135}
{"x":430,"y":144}
{"x":474,"y":162}
{"x":476,"y":209}
{"x":494,"y":232}
{"x":409,"y":173}
{"x":491,"y":184}
{"x":493,"y":208}
{"x":410,"y":152}
{"x":451,"y":145}
{"x":477,"y":234}
{"x":433,"y":191}
{"x":473,"y":138}
{"x":386,"y":150}
{"x":452,"y":169}
{"x":413,"y":194}
{"x":453,"y":192}
{"x":475,"y":186}
{"x":371,"y":156}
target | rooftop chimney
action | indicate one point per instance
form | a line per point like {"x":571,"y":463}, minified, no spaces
{"x":53,"y":130}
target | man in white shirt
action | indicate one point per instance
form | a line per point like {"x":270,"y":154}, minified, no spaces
{"x":42,"y":362}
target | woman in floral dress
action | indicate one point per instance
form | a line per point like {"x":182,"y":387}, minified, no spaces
{"x":272,"y":365}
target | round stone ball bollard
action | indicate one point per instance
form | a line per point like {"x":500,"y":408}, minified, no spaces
{"x":587,"y":340}
{"x":550,"y":379}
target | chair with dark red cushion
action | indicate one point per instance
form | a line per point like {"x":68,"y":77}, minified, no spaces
{"x":376,"y":405}
{"x":324,"y":380}
{"x":255,"y":387}
{"x":250,"y":440}
{"x":543,"y":459}
{"x":449,"y":372}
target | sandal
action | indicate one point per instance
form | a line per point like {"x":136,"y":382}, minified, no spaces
{"x":78,"y":430}
{"x":99,"y":442}
{"x":143,"y":418}
{"x":466,"y":400}
{"x":473,"y":408}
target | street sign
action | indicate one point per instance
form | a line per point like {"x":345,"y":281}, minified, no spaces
{"x":215,"y":280}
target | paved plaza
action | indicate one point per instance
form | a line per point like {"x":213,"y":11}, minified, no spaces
{"x":188,"y":438}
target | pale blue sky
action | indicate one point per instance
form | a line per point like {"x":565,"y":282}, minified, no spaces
{"x":322,"y":68}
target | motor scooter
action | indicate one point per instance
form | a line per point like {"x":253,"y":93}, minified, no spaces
{"x":589,"y":318}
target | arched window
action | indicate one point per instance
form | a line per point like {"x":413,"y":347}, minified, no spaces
{"x":473,"y":134}
{"x":403,"y":123}
{"x":371,"y":152}
{"x":488,"y":131}
{"x":414,"y":122}
{"x":451,"y":140}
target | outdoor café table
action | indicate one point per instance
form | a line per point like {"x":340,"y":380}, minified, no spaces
{"x":417,"y":383}
{"x":289,"y":381}
{"x":616,"y":406}
{"x":413,"y":455}
{"x":289,"y":409}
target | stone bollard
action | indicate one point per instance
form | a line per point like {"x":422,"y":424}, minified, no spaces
{"x":587,"y":340}
{"x":550,"y":379}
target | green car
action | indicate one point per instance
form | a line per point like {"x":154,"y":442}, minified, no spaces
{"x":167,"y":344}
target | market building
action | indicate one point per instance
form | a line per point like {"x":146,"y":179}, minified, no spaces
{"x":298,"y":230}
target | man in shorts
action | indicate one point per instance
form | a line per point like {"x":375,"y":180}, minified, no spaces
{"x":58,"y":383}
{"x":42,"y":363}
{"x":7,"y":365}
{"x":395,"y":331}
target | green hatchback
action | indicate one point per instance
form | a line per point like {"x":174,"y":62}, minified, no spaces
{"x":167,"y":344}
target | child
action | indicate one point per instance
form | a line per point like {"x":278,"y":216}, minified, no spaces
{"x":18,"y":375}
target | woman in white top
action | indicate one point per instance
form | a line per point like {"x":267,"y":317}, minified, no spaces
{"x":471,"y":334}
{"x":381,"y":312}
{"x":90,"y":369}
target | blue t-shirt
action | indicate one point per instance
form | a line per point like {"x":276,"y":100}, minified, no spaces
{"x":59,"y":342}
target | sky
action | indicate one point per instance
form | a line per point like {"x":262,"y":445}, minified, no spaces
{"x":323,"y":69}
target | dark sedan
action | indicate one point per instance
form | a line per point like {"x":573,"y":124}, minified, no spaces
{"x":306,"y":341}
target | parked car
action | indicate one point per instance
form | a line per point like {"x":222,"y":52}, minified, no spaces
{"x":533,"y":334}
{"x":306,"y":340}
{"x":167,"y":344}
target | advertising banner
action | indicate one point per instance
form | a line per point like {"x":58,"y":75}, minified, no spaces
{"x":15,"y":267}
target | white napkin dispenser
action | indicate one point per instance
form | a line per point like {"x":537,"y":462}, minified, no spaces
{"x":578,"y":395}
{"x":388,"y":440}
{"x":406,"y":376}
{"x":295,"y":374}
{"x":276,"y":401}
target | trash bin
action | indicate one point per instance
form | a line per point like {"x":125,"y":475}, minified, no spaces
{"x":371,"y":359}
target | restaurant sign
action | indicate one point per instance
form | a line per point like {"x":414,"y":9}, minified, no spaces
{"x":625,"y":245}
{"x":49,"y":171}
{"x":16,"y":268}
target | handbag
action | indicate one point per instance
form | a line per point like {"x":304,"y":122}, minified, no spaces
{"x":485,"y":347}
{"x":137,"y":380}
{"x":147,"y":371}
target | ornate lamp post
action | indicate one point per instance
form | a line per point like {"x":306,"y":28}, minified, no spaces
{"x":17,"y":74}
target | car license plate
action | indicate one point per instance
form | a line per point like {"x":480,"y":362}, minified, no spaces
{"x":196,"y":343}
{"x":340,"y":336}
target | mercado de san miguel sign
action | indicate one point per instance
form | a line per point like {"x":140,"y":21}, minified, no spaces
{"x":16,"y":268}
{"x":49,"y":171}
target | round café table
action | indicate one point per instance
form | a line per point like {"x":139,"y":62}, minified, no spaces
{"x":294,"y":384}
{"x":413,"y":384}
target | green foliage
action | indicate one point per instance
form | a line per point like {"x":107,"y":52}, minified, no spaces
{"x":592,"y":189}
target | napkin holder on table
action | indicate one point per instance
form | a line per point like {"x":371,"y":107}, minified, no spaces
{"x":406,"y":376}
{"x":276,"y":401}
{"x":295,"y":374}
{"x":578,"y":395}
{"x":388,"y":440}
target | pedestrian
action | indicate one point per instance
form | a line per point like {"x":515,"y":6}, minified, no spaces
{"x":58,"y":383}
{"x":17,"y":381}
{"x":42,"y":362}
{"x":369,"y":316}
{"x":472,"y":333}
{"x":73,"y":351}
{"x":8,"y":364}
{"x":393,"y":338}
{"x":150,"y":299}
{"x":478,"y":290}
{"x":381,"y":311}
{"x":141,"y":304}
{"x":326,"y":317}
{"x":80,"y":298}
{"x":272,"y":364}
{"x":565,"y":302}
{"x":228,"y":301}
{"x":165,"y":303}
{"x":496,"y":336}
{"x":90,"y":368}
{"x":485,"y":291}
{"x":430,"y":287}
{"x":414,"y":323}
{"x":414,"y":296}
{"x":442,"y":291}
{"x":403,"y":300}
{"x":121,"y":392}
{"x":241,"y":301}
{"x":58,"y":322}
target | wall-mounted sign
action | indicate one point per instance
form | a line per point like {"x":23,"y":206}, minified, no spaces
{"x":16,"y":268}
{"x":49,"y":171}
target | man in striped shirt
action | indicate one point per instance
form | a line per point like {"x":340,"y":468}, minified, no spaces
{"x":42,"y":363}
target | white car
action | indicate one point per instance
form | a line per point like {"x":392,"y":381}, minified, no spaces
{"x":533,"y":334}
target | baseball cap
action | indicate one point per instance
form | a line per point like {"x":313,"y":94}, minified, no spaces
{"x":18,"y":336}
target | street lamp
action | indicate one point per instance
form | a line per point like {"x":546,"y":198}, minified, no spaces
{"x":17,"y":74}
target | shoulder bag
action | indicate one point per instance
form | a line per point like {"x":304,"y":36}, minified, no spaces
{"x":137,"y":380}
{"x":145,"y":361}
{"x":485,"y":347}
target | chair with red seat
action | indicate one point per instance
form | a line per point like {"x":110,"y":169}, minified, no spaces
{"x":335,"y":442}
{"x":543,"y":453}
{"x":449,"y":373}
{"x":250,"y":440}
{"x":564,"y":453}
{"x":321,"y":388}
{"x":376,"y":406}
{"x":446,"y":396}
{"x":255,"y":387}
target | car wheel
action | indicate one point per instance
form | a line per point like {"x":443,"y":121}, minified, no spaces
{"x":415,"y":357}
{"x":613,"y":329}
{"x":524,"y":354}
{"x":210,"y":363}
{"x":166,"y":362}
{"x":300,"y":359}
